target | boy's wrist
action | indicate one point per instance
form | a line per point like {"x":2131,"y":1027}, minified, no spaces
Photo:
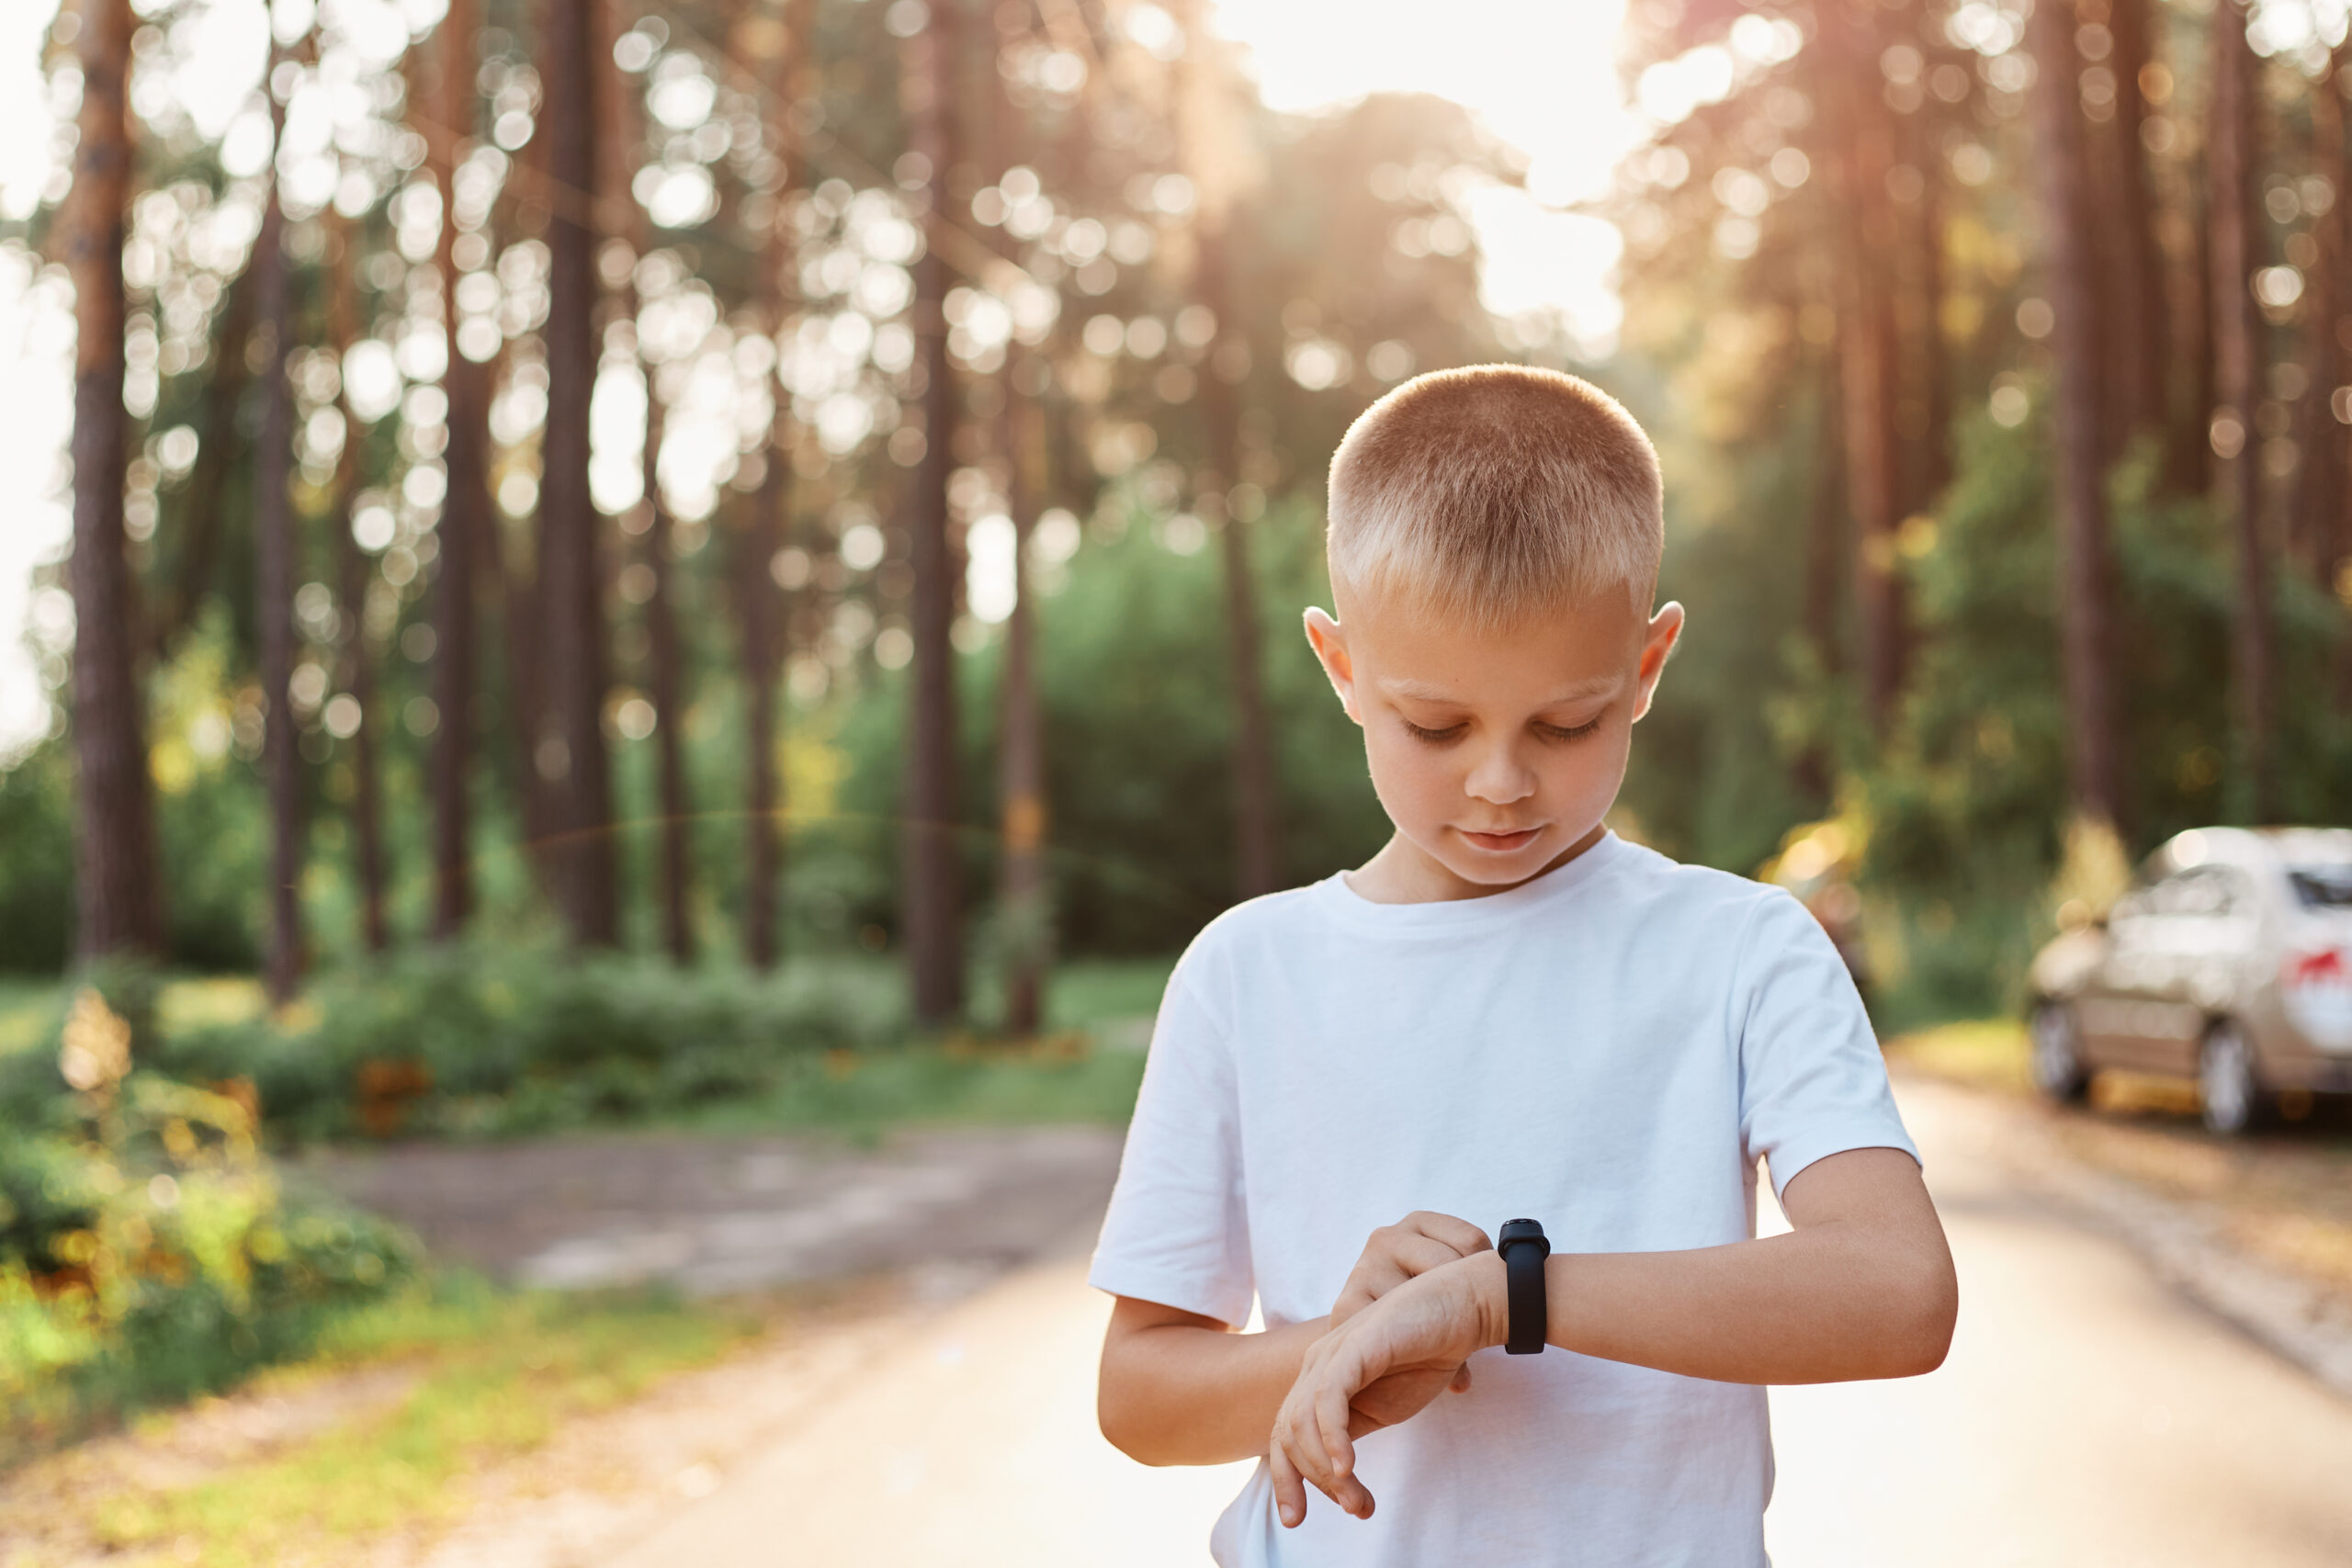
{"x":1490,"y":1296}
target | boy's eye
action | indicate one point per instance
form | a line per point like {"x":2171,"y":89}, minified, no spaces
{"x":1433,"y":737}
{"x":1566,"y":732}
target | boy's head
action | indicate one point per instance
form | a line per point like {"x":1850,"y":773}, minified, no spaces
{"x":1494,"y":543}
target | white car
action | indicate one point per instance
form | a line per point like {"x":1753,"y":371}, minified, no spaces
{"x":2229,"y":961}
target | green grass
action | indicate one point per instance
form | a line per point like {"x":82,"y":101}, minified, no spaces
{"x":1060,"y":1079}
{"x":29,"y":1010}
{"x":495,"y":1375}
{"x":1100,"y":991}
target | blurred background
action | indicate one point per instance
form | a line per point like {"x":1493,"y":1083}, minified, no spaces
{"x":631,"y":635}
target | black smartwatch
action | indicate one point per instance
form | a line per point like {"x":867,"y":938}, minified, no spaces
{"x":1523,"y":1248}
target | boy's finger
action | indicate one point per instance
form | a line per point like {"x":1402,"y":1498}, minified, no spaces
{"x":1460,"y":1383}
{"x":1411,"y":1255}
{"x":1331,"y":1415}
{"x":1290,"y":1493}
{"x":1460,"y":1234}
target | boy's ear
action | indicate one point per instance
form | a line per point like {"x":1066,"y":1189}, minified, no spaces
{"x":1658,"y":646}
{"x":1330,"y":646}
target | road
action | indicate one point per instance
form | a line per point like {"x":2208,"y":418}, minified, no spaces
{"x":2088,"y":1418}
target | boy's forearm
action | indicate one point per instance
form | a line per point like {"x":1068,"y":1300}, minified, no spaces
{"x":1188,"y":1394}
{"x":1829,"y":1304}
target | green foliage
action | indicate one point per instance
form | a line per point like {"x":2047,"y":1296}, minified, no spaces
{"x":1136,"y":691}
{"x":35,"y":864}
{"x":494,"y":1373}
{"x":149,"y":1252}
{"x":479,"y":1042}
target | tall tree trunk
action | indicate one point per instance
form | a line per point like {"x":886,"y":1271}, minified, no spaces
{"x":930,"y":891}
{"x":665,"y":675}
{"x":763,"y":610}
{"x":570,"y":586}
{"x":2141,"y":356}
{"x":1021,"y":744}
{"x":1923,"y":418}
{"x":274,"y":585}
{"x":2094,"y":776}
{"x":117,"y":888}
{"x":1025,"y":911}
{"x":2319,"y":491}
{"x":2237,"y":362}
{"x":465,"y":511}
{"x":2189,"y":447}
{"x":1257,"y":849}
{"x":1868,"y":371}
{"x":1256,"y":859}
{"x":1825,"y":554}
{"x":201,"y":503}
{"x":352,"y":576}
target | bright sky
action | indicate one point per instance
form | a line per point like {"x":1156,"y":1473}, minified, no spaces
{"x":1541,"y":75}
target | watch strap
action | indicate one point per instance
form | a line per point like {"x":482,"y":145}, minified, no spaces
{"x":1524,"y":1247}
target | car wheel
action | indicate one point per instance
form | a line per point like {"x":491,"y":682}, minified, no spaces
{"x":2227,"y":1084}
{"x":2059,"y":1070}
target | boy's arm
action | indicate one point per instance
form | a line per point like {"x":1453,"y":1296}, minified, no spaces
{"x":1179,"y":1388}
{"x":1864,"y":1287}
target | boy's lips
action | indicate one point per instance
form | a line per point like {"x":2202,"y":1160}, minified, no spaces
{"x":1504,"y":842}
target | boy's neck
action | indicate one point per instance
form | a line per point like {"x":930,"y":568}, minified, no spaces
{"x":1404,"y":873}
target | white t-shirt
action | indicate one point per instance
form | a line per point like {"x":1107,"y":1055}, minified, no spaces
{"x":1608,"y":1049}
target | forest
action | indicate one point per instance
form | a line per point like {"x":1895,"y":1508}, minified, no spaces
{"x":731,"y":482}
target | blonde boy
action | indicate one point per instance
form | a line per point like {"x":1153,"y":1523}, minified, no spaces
{"x":1506,"y":1011}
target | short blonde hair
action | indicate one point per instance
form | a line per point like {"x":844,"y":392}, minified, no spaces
{"x":1490,"y":493}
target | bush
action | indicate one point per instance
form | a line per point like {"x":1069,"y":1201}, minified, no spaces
{"x":468,"y":1042}
{"x":148,"y":1251}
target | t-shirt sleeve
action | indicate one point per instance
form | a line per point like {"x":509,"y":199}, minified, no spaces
{"x":1813,"y":1082}
{"x":1178,"y":1232}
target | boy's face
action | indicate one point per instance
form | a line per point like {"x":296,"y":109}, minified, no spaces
{"x":1495,"y":754}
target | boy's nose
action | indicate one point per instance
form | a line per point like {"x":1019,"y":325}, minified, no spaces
{"x":1499,"y":778}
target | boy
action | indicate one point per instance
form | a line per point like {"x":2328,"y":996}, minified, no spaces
{"x":1508,"y":1010}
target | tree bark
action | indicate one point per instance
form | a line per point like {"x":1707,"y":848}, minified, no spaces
{"x":2139,"y":357}
{"x":665,"y":675}
{"x":2189,"y":448}
{"x":2094,"y":777}
{"x":118,"y":889}
{"x":2320,"y":488}
{"x":570,"y":586}
{"x":1868,"y":372}
{"x":201,"y":503}
{"x":1024,"y":908}
{"x":1256,"y":857}
{"x":465,"y":511}
{"x":352,"y":576}
{"x":273,"y":549}
{"x":931,"y":890}
{"x":763,"y":613}
{"x":1923,"y":417}
{"x":2237,"y":363}
{"x":1257,"y":849}
{"x":1022,"y":893}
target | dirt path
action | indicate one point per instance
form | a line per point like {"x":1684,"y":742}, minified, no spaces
{"x":721,"y":1215}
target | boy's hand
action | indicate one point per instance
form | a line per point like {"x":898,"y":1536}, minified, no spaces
{"x":1393,"y":1254}
{"x":1414,"y":1338}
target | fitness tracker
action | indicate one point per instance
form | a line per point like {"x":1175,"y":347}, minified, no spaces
{"x":1523,"y":1248}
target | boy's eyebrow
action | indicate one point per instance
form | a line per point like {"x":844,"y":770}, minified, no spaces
{"x":1427,"y":692}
